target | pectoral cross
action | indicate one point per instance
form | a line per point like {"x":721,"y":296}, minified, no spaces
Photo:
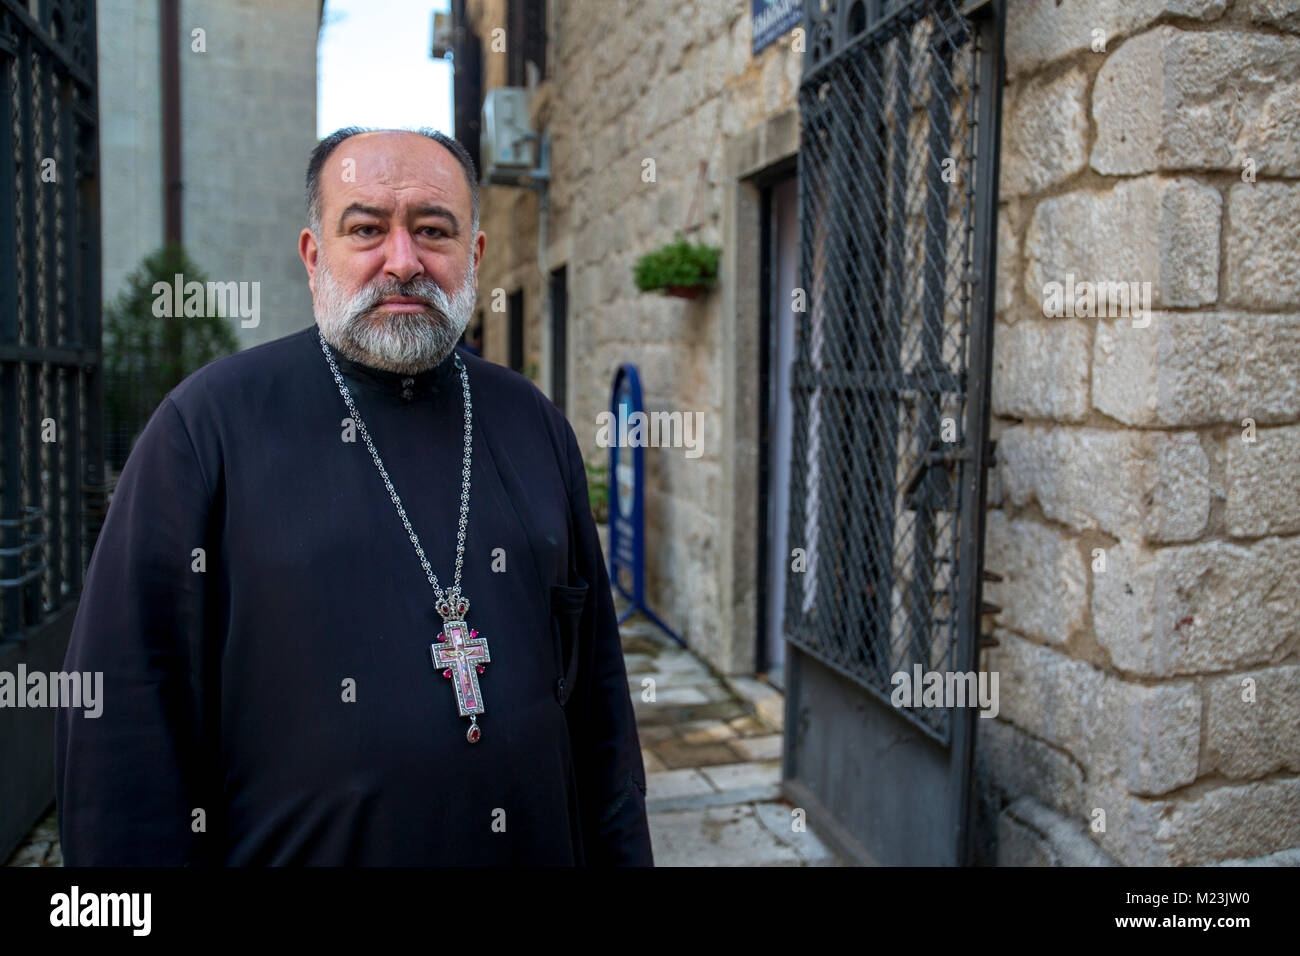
{"x":463,"y":653}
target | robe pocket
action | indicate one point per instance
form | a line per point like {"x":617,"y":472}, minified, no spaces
{"x":566,"y":620}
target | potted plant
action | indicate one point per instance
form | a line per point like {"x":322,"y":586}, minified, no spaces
{"x":679,"y":268}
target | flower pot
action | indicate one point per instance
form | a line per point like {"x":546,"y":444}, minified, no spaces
{"x":685,"y":291}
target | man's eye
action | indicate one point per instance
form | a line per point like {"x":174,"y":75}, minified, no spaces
{"x":361,"y":230}
{"x":431,"y":229}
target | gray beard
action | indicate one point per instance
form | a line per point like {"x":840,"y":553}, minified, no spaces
{"x":404,"y":342}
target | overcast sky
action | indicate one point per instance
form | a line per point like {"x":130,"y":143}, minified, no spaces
{"x":373,"y":66}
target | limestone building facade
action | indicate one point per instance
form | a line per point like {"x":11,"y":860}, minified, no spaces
{"x":1142,"y":508}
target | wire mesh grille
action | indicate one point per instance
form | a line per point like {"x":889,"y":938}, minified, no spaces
{"x":886,"y":201}
{"x":50,"y":424}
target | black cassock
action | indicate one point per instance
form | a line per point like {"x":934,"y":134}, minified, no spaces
{"x":228,"y":671}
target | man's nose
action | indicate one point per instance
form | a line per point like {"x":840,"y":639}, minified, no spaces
{"x":401,"y":263}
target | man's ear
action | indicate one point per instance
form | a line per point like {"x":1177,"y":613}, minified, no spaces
{"x":480,"y":243}
{"x":308,"y":249}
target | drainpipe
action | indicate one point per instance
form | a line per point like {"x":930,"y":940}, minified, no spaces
{"x":169,"y":63}
{"x":169,"y":60}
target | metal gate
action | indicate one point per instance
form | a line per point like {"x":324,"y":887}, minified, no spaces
{"x":51,"y":400}
{"x":898,"y":166}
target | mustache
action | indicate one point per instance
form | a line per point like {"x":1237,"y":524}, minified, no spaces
{"x":425,"y":290}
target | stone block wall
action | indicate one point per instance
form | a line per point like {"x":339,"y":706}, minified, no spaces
{"x":630,"y":82}
{"x":1148,"y":466}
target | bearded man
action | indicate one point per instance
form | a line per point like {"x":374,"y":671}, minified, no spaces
{"x":348,"y":600}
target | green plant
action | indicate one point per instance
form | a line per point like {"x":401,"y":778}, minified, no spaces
{"x":530,"y":371}
{"x":146,"y":355}
{"x":679,"y":265}
{"x":598,"y":491}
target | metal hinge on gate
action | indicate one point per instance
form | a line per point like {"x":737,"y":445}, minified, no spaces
{"x":976,"y":7}
{"x":944,"y":458}
{"x":987,"y":610}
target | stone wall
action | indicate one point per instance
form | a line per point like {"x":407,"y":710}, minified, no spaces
{"x":628,"y":82}
{"x":1145,"y":530}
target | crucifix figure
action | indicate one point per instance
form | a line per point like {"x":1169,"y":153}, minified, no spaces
{"x":462,"y":653}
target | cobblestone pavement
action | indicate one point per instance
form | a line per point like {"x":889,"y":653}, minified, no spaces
{"x":712,"y":752}
{"x":41,"y":847}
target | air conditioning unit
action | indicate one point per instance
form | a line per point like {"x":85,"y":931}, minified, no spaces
{"x":508,"y":142}
{"x":444,"y":35}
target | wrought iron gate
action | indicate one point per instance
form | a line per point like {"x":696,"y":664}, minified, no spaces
{"x":51,"y":441}
{"x":900,"y":109}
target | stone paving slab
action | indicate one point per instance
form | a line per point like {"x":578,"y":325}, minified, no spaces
{"x":676,"y":658}
{"x":700,"y":801}
{"x":676,"y":783}
{"x":738,"y":835}
{"x":682,"y":665}
{"x":651,"y":761}
{"x":676,"y":753}
{"x":767,"y":747}
{"x":732,"y":776}
{"x":748,"y":725}
{"x":668,"y":680}
{"x":638,"y":663}
{"x":716,"y":798}
{"x":716,"y":692}
{"x":30,"y":854}
{"x":705,"y":731}
{"x":779,"y":819}
{"x":661,"y":713}
{"x":717,"y":836}
{"x":41,"y":846}
{"x":651,"y":734}
{"x":767,"y":701}
{"x":677,"y":695}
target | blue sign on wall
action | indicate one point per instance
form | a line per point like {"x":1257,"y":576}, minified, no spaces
{"x":771,"y":18}
{"x":627,"y":500}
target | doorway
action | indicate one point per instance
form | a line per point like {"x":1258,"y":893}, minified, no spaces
{"x":559,"y":336}
{"x":779,"y":269}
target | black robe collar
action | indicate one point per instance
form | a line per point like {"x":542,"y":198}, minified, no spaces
{"x":402,"y":388}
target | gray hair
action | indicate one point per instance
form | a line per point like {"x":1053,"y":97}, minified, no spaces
{"x":327,"y":146}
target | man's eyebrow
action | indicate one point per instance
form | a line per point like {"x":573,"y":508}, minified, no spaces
{"x":435,"y":210}
{"x":361,"y":209}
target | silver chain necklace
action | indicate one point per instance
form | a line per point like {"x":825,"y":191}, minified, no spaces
{"x":459,"y":651}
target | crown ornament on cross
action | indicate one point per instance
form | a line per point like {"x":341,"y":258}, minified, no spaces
{"x":453,"y":609}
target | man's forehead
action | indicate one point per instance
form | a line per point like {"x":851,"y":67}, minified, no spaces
{"x":409,"y":165}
